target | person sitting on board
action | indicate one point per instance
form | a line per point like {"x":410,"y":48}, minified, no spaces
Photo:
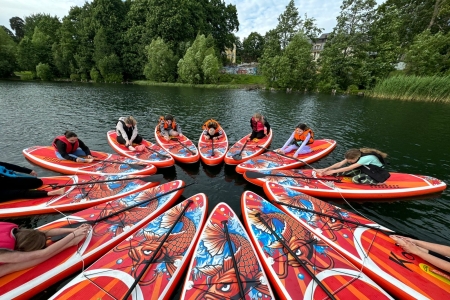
{"x":127,"y":132}
{"x":366,"y":166}
{"x":436,"y":254}
{"x":212,"y":130}
{"x":260,"y":127}
{"x":69,"y":147}
{"x":20,"y":183}
{"x":168,"y":127}
{"x":21,"y":249}
{"x":300,"y":138}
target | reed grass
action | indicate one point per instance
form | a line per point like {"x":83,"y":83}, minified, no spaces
{"x":413,"y":88}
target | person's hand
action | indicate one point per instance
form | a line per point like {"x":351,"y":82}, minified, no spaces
{"x":406,"y":244}
{"x":127,"y":143}
{"x":295,"y":155}
{"x":90,"y":156}
{"x":131,"y":148}
{"x":33,"y":173}
{"x":216,"y":138}
{"x":180,"y":134}
{"x":207,"y":137}
{"x":166,"y":137}
{"x":80,"y":234}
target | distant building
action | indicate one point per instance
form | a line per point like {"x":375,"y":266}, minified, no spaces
{"x":318,"y":45}
{"x":250,"y":69}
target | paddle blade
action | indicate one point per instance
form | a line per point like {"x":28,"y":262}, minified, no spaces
{"x":237,"y":157}
{"x":152,"y":178}
{"x":255,"y":175}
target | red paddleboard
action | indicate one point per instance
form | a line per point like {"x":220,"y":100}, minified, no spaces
{"x":397,"y":186}
{"x":247,"y":150}
{"x":182,"y":149}
{"x":300,"y":265}
{"x":274,"y":161}
{"x":160,"y":251}
{"x":404,"y":275}
{"x":103,"y":236}
{"x":153,"y":154}
{"x":44,"y":156}
{"x":206,"y":147}
{"x":76,"y":197}
{"x":218,"y":271}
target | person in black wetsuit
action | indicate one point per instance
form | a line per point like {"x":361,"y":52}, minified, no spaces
{"x":438,"y":255}
{"x":69,"y":147}
{"x":14,"y":184}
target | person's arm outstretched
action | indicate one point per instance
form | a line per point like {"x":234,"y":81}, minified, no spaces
{"x":304,"y":143}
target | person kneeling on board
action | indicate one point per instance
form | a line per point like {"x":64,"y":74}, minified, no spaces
{"x":127,"y":132}
{"x":21,"y":249}
{"x":366,"y":166}
{"x":20,"y":183}
{"x":70,"y":147}
{"x":212,"y":130}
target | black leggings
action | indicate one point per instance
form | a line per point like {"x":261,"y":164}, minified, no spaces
{"x":122,"y":141}
{"x":257,"y":134}
{"x":6,"y":195}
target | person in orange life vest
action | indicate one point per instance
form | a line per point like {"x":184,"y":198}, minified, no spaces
{"x":20,"y":183}
{"x":300,"y":138}
{"x":438,"y":255}
{"x":169,"y":127}
{"x":212,"y":130}
{"x":21,"y":249}
{"x":366,"y":166}
{"x":69,"y":147}
{"x":127,"y":132}
{"x":260,"y":126}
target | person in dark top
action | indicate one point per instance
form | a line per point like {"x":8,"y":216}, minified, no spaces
{"x":20,"y":183}
{"x":260,"y":127}
{"x":69,"y":147}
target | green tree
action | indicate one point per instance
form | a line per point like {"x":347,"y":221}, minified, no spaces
{"x":17,"y":24}
{"x":110,"y":68}
{"x":7,"y":54}
{"x":253,"y":47}
{"x":347,"y":49}
{"x":26,"y":55}
{"x":210,"y":68}
{"x":162,"y":63}
{"x":44,"y":71}
{"x":429,"y":55}
{"x":190,"y":66}
{"x":42,"y":45}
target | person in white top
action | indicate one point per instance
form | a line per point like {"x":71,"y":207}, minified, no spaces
{"x":127,"y":132}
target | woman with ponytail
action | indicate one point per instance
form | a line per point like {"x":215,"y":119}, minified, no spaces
{"x":366,"y":166}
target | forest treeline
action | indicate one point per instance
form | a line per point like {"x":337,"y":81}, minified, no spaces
{"x":184,"y":41}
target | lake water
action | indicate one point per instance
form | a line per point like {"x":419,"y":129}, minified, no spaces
{"x":415,"y":135}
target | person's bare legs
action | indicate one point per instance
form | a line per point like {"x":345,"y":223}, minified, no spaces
{"x":56,"y":192}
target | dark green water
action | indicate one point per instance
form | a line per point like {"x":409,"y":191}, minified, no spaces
{"x":415,"y":135}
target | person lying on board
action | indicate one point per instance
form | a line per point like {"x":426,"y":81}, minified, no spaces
{"x":300,"y":138}
{"x":366,"y":166}
{"x":70,"y":147}
{"x":438,"y":255}
{"x":127,"y":132}
{"x":168,"y":127}
{"x":212,"y":130}
{"x":260,"y":127}
{"x":20,"y":183}
{"x":24,"y":248}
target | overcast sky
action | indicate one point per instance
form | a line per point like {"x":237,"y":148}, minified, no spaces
{"x":254,"y":15}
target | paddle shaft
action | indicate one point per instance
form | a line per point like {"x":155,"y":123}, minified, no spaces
{"x":212,"y":146}
{"x":258,"y":215}
{"x":157,"y":153}
{"x":280,"y":154}
{"x":184,"y":146}
{"x":336,"y":218}
{"x":150,"y":261}
{"x":252,"y":174}
{"x":119,"y":162}
{"x":236,"y":270}
{"x":238,"y":156}
{"x":55,"y":186}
